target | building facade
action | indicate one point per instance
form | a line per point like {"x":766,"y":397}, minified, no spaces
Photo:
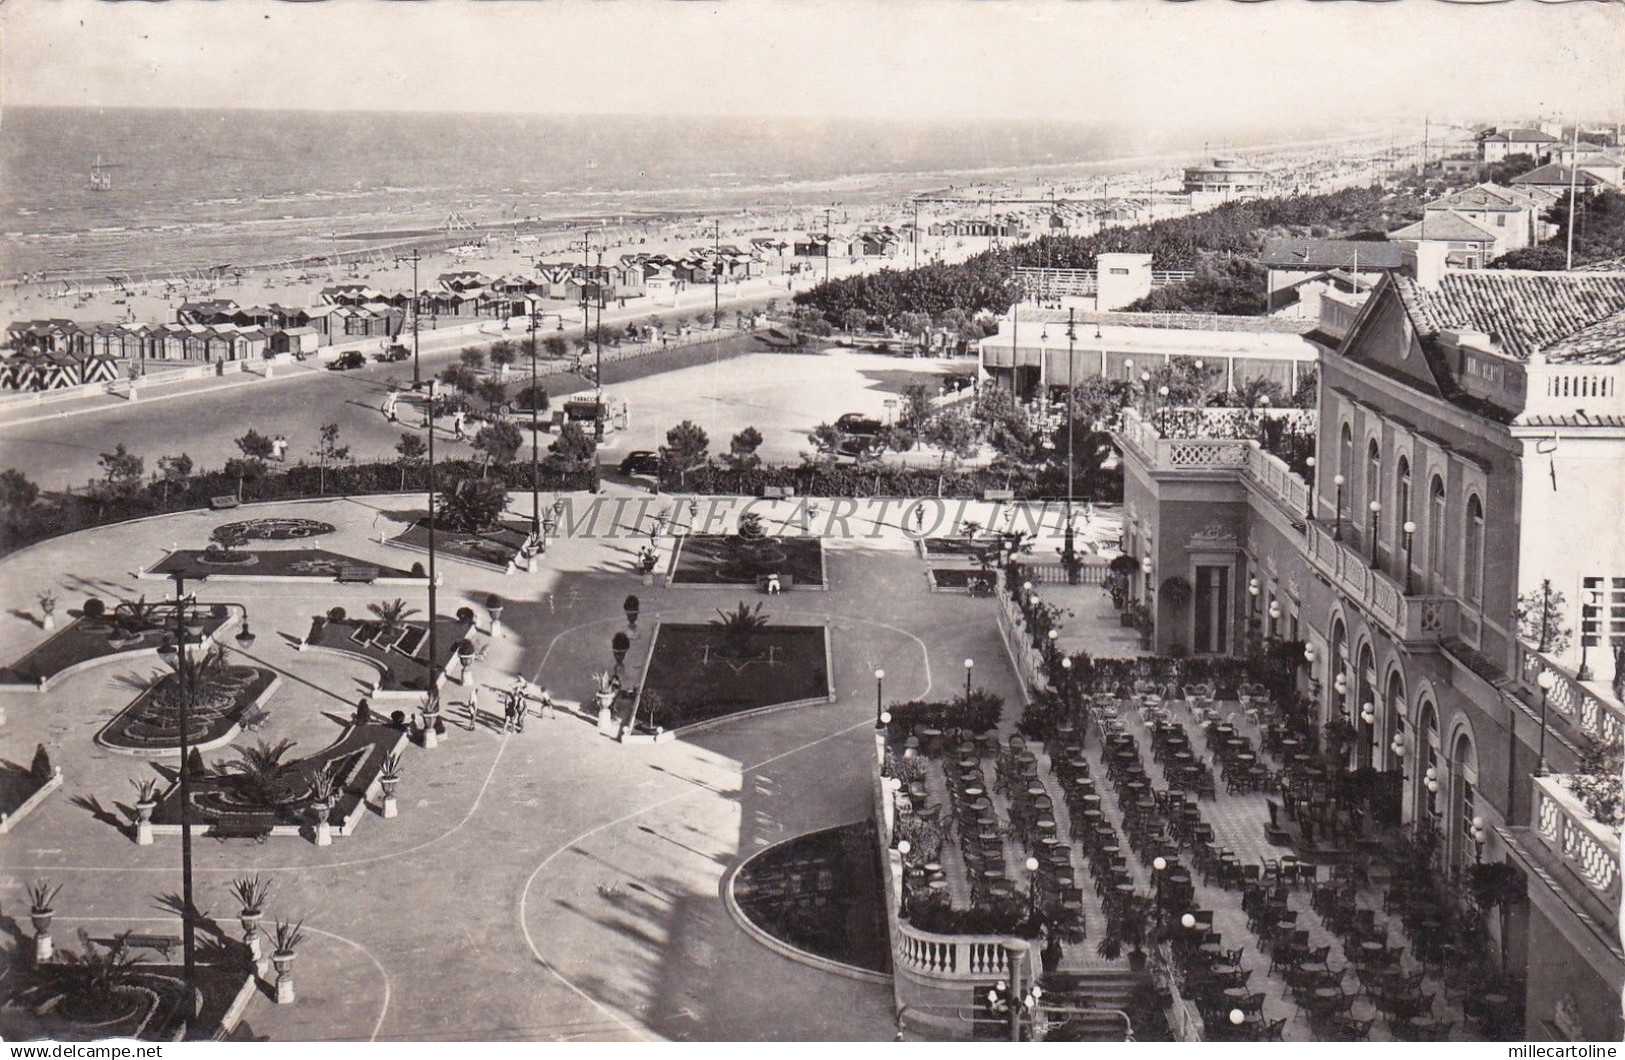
{"x":1470,"y":435}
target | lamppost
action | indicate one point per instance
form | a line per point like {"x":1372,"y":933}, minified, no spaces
{"x":1254,"y":590}
{"x":1150,"y":595}
{"x":1309,"y":657}
{"x":1162,"y":412}
{"x":1069,"y":543}
{"x":1340,"y":685}
{"x":880,"y":677}
{"x":1410,"y":535}
{"x":1430,"y":780}
{"x":1066,"y":681}
{"x":189,"y":626}
{"x":1545,"y":681}
{"x":1376,"y":511}
{"x":535,"y":439}
{"x":1478,"y":835}
{"x":431,"y":701}
{"x":1054,"y":635}
{"x":1368,"y":715}
{"x":1589,"y":600}
{"x":1159,"y":866}
{"x":1337,"y":514}
{"x":970,"y":664}
{"x":1031,"y":865}
{"x":903,"y":847}
{"x":1275,"y":618}
{"x":1263,"y":410}
{"x":417,"y":377}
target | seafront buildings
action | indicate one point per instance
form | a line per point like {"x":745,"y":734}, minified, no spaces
{"x":1471,"y":431}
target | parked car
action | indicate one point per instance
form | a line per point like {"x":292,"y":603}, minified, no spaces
{"x":857,"y":423}
{"x":640,"y":462}
{"x":396,"y":352}
{"x":348,"y":360}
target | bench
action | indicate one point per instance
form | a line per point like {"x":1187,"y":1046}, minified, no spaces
{"x":223,"y":831}
{"x":225,"y":500}
{"x":357,"y":572}
{"x":786,"y":581}
{"x":157,"y":943}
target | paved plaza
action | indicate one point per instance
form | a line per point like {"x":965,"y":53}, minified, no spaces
{"x":553,"y":884}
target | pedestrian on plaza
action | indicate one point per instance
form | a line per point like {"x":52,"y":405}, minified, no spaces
{"x":507,"y":714}
{"x":546,"y":710}
{"x":473,"y":707}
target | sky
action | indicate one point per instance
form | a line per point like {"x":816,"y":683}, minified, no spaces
{"x":1140,"y":61}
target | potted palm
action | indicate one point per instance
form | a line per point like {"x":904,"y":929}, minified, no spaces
{"x":389,"y":775}
{"x":285,"y":944}
{"x":322,"y":791}
{"x":251,"y":893}
{"x":146,"y":800}
{"x":493,"y":604}
{"x":47,"y":609}
{"x":619,"y":645}
{"x":631,"y":605}
{"x":41,"y":903}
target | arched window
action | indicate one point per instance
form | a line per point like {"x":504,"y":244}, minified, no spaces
{"x":1373,"y":472}
{"x":1472,"y":580}
{"x":1345,"y":454}
{"x":1435,"y":556}
{"x":1402,"y":492}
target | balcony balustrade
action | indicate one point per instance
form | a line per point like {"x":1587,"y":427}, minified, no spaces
{"x":1585,"y":847}
{"x":1412,"y":619}
{"x":1600,"y":717}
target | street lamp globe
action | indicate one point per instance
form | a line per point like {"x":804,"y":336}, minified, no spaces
{"x":1309,"y":653}
{"x":1066,"y":663}
{"x":970,"y":664}
{"x":903,"y":847}
{"x":1032,"y":864}
{"x":1237,"y":1016}
{"x":1162,"y":392}
{"x":1187,"y":921}
{"x":1409,"y":527}
{"x":885,"y":717}
{"x":1054,"y":635}
{"x":1546,"y":680}
{"x":1159,"y":864}
{"x":1145,"y":564}
{"x":1376,"y":507}
{"x":1338,"y":480}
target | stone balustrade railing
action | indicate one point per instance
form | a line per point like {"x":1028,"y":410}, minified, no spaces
{"x":1375,"y":592}
{"x":960,"y":957}
{"x":1585,"y":846}
{"x":1598,"y":716}
{"x":1264,"y":469}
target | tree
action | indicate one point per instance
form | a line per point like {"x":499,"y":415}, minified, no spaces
{"x":173,"y":471}
{"x":254,"y":445}
{"x":1541,"y":615}
{"x":121,"y":471}
{"x":472,"y":358}
{"x":916,"y":410}
{"x":687,"y":447}
{"x":410,"y":451}
{"x":914,"y":325}
{"x":953,"y":433}
{"x":556,"y":347}
{"x":737,"y":629}
{"x":503,"y":353}
{"x":854,"y":320}
{"x":825,"y":438}
{"x":1099,"y":401}
{"x":742,"y":450}
{"x":1090,"y":448}
{"x":17,"y":492}
{"x":459,"y":377}
{"x":499,"y":440}
{"x":492,"y":391}
{"x":529,"y":397}
{"x":256,"y":450}
{"x":392,"y":616}
{"x":328,"y":451}
{"x":473,"y":505}
{"x":574,"y":450}
{"x":259,"y":775}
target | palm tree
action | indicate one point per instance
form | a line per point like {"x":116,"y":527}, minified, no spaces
{"x":738,"y":628}
{"x":392,"y":616}
{"x":95,"y":973}
{"x":259,"y":773}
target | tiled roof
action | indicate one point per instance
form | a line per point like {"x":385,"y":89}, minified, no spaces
{"x":1565,"y":315}
{"x":1523,"y":136}
{"x":1446,"y":225}
{"x":1330,"y":254}
{"x":1483,"y":197}
{"x":1556,"y":174}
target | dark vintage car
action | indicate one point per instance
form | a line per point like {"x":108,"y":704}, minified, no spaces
{"x":396,"y":352}
{"x":640,"y":462}
{"x":348,"y":360}
{"x":857,"y":423}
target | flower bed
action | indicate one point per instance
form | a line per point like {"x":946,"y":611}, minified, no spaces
{"x":89,"y":639}
{"x":269,"y":528}
{"x":690,"y":679}
{"x":958,"y":579}
{"x":353,"y":760}
{"x":151,"y":724}
{"x":147,"y":1005}
{"x":706,"y":559}
{"x":402,"y":661}
{"x":820,"y":893}
{"x":498,"y":547}
{"x":281,"y":564}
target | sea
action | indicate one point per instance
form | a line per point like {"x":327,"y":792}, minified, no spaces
{"x":203,"y":189}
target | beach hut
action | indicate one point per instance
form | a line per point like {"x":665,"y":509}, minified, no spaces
{"x":7,"y":375}
{"x":295,"y":340}
{"x":25,"y":371}
{"x":60,"y":370}
{"x":98,"y":368}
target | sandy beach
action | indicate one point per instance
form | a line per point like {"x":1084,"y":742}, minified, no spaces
{"x":1147,"y":185}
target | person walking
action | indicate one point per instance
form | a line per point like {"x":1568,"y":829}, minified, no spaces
{"x":546,"y":700}
{"x":473,"y":707}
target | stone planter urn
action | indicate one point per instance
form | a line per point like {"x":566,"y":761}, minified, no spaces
{"x":283,"y":963}
{"x":607,"y":724}
{"x":390,"y":807}
{"x":493,"y":604}
{"x":250,"y":920}
{"x":324,"y":827}
{"x":48,"y":623}
{"x":431,"y":736}
{"x":42,"y":933}
{"x":465,"y":657}
{"x":143,"y":821}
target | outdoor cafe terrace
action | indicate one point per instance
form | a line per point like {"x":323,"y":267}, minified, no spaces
{"x":1277,"y":901}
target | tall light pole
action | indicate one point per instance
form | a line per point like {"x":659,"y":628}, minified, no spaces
{"x":1376,"y":511}
{"x":826,"y":244}
{"x":1545,"y":682}
{"x":880,"y":711}
{"x":970,"y":665}
{"x":535,"y":439}
{"x":716,"y":276}
{"x":1410,"y":533}
{"x":431,"y":702}
{"x":416,"y":374}
{"x":186,"y":676}
{"x":1337,"y":515}
{"x":1069,"y":545}
{"x":1150,"y":594}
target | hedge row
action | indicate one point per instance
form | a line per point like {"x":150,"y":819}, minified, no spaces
{"x":890,"y":481}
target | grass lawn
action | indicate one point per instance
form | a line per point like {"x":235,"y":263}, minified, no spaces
{"x":689,"y":680}
{"x":821,"y":893}
{"x":715,"y":560}
{"x":152,"y":723}
{"x":404,"y":659}
{"x":17,"y":786}
{"x":495,"y":548}
{"x":960,"y":577}
{"x":148,"y":1006}
{"x":84,"y":639}
{"x":316,"y":563}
